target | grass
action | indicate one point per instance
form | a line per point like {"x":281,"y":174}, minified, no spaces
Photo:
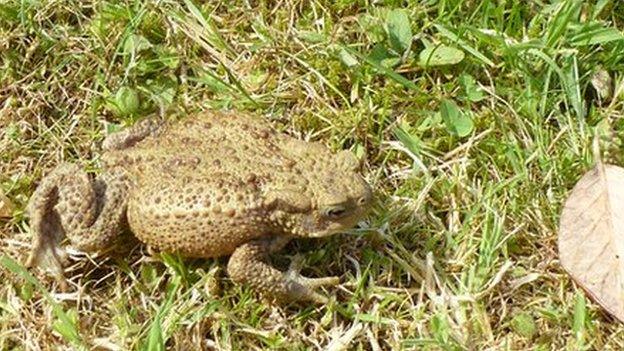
{"x":470,"y":162}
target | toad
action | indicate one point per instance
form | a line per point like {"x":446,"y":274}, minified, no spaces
{"x":211,"y":185}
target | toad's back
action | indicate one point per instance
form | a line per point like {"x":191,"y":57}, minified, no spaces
{"x":211,"y":143}
{"x":199,"y":184}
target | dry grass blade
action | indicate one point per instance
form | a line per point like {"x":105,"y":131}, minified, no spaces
{"x":591,"y":236}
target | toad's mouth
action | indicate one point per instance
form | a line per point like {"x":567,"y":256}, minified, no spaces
{"x":315,"y":229}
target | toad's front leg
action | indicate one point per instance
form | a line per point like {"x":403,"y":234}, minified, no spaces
{"x":68,"y":203}
{"x":248,"y":266}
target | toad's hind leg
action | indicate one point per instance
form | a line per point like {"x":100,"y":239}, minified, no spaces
{"x":248,"y":266}
{"x":68,"y":203}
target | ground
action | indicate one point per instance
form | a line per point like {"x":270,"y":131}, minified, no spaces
{"x":471,"y":151}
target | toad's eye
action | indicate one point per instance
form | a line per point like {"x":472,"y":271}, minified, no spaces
{"x":334,"y":211}
{"x":362,"y":201}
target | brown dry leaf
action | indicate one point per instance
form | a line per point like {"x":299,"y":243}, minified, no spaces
{"x":6,"y":206}
{"x":591,"y":236}
{"x":602,"y":83}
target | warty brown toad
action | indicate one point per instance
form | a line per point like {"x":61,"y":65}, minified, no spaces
{"x":210,"y":185}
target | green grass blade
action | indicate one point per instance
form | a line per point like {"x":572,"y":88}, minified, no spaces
{"x":572,"y":85}
{"x":569,"y":81}
{"x":559,"y":23}
{"x":463,"y":44}
{"x":155,"y":340}
{"x":66,"y":326}
{"x":383,"y":70}
{"x":217,"y":39}
{"x":157,"y":336}
{"x":320,"y":76}
{"x":596,"y":36}
{"x":580,"y":318}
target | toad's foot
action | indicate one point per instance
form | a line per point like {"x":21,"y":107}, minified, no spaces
{"x":248,"y":266}
{"x":47,"y":253}
{"x":309,"y":284}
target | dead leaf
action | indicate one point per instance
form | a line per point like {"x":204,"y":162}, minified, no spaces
{"x":6,"y":206}
{"x":602,"y":83}
{"x":591,"y":236}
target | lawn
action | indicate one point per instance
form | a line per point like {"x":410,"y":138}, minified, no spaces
{"x":474,"y":118}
